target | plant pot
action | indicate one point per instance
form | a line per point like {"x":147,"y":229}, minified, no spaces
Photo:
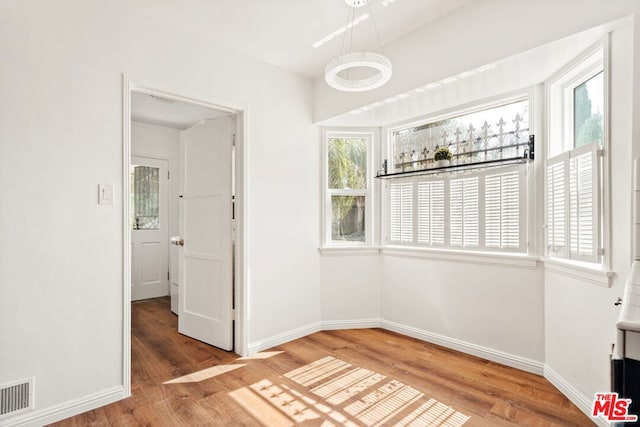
{"x":442,"y":163}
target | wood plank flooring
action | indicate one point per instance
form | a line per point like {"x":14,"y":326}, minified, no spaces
{"x":334,"y":378}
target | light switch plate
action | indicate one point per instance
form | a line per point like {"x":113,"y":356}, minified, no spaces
{"x":105,"y":194}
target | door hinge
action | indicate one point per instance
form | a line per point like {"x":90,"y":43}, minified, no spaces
{"x":233,"y":140}
{"x":233,"y":314}
{"x":168,"y":276}
{"x":168,"y":175}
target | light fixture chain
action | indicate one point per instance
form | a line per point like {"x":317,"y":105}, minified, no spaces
{"x":344,"y":35}
{"x":353,"y":20}
{"x":375,"y":28}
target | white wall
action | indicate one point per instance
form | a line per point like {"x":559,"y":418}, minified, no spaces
{"x":61,"y":135}
{"x":350,"y":288}
{"x":487,"y":305}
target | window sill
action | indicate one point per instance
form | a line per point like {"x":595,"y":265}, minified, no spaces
{"x":488,"y":258}
{"x":349,"y":251}
{"x":579,"y":271}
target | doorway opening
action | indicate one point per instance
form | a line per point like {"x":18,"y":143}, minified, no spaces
{"x":183,"y":209}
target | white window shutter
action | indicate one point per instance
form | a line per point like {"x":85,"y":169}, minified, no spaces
{"x":556,"y":205}
{"x":455,"y":213}
{"x":584,"y":231}
{"x":493,"y":213}
{"x":431,"y":213}
{"x":424,"y":213}
{"x":511,"y":202}
{"x":502,"y":210}
{"x":401,"y":212}
{"x":463,"y":212}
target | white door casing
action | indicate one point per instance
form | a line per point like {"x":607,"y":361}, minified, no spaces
{"x":149,"y":247}
{"x":205,"y":260}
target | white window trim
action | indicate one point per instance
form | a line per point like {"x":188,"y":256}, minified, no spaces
{"x":564,"y":265}
{"x":578,"y":270}
{"x":530,"y":93}
{"x":503,"y":259}
{"x":328,"y":246}
{"x":350,"y":251}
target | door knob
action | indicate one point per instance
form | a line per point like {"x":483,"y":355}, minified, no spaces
{"x":177,"y":241}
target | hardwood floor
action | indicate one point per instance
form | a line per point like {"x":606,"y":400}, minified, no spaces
{"x":354,"y":377}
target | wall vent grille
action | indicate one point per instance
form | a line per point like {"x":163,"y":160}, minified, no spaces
{"x":16,"y":397}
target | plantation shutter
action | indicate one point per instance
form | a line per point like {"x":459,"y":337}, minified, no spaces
{"x":431,"y":213}
{"x":463,"y":212}
{"x":573,"y":204}
{"x":556,"y":205}
{"x":502,"y":210}
{"x":584,"y":209}
{"x":401,"y":212}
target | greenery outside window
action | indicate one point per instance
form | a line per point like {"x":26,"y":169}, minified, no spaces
{"x":347,"y":189}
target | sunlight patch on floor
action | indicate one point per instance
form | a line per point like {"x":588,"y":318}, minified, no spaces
{"x":434,"y":413}
{"x":379,"y":406}
{"x":284,"y":401}
{"x":261,"y":355}
{"x":266,"y":414}
{"x":204,"y":374}
{"x":339,"y":394}
{"x":347,"y":385}
{"x":316,"y":371}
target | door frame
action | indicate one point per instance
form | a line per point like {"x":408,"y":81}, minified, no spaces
{"x":240,"y":293}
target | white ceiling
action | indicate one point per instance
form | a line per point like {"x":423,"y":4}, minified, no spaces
{"x":281,"y":32}
{"x":164,"y":112}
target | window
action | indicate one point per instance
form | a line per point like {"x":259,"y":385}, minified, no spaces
{"x":588,"y":102}
{"x":145,"y":198}
{"x":473,"y":211}
{"x":347,"y":189}
{"x":495,"y":133}
{"x":574,"y":166}
{"x":477,"y":210}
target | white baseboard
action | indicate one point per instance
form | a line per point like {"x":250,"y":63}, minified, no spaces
{"x":284,"y":337}
{"x":580,"y":400}
{"x":332,"y":325}
{"x":508,"y":359}
{"x":328,"y":325}
{"x":65,"y":410}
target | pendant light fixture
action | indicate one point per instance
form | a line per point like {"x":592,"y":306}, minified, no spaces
{"x":345,"y":62}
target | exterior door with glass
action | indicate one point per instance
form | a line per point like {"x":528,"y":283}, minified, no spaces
{"x":149,"y":228}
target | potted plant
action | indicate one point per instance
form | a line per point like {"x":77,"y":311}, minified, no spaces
{"x":442,"y":157}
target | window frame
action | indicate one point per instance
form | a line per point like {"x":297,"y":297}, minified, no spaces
{"x":559,"y":93}
{"x":528,"y":185}
{"x":368,"y":135}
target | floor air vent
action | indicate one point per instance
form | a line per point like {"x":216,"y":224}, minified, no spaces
{"x":16,"y":397}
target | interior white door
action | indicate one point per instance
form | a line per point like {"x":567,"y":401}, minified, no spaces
{"x":205,"y":260}
{"x":149,"y":228}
